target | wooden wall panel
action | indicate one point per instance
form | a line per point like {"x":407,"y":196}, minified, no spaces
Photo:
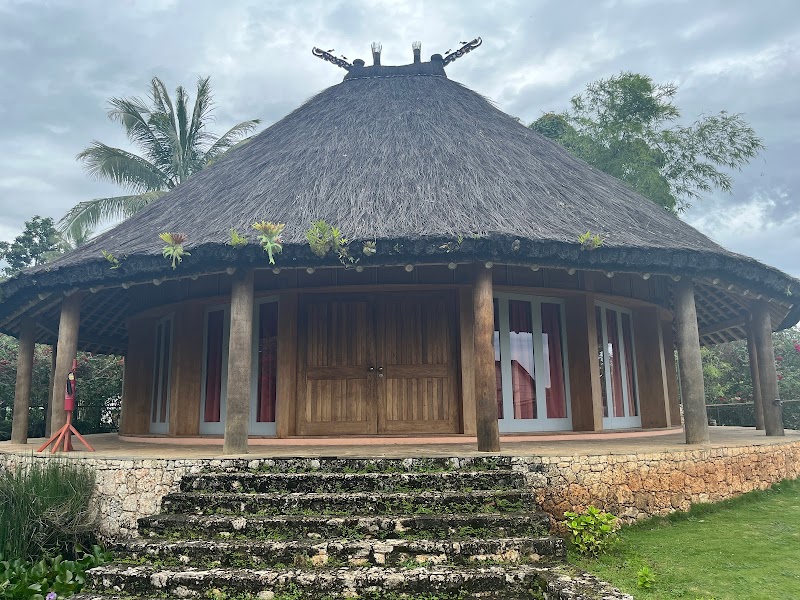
{"x":672,"y":373}
{"x":650,"y":368}
{"x":285,"y":406}
{"x":467,"y":352}
{"x":138,"y":384}
{"x":584,"y":366}
{"x":187,"y":371}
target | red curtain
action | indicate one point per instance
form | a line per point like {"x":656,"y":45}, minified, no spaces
{"x":520,"y":324}
{"x":555,"y":394}
{"x":267,"y":362}
{"x":165,"y":370}
{"x":616,"y":366}
{"x":627,"y":339}
{"x":214,"y":341}
{"x":498,"y":375}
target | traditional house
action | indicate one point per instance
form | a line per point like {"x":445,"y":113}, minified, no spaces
{"x":458,"y":298}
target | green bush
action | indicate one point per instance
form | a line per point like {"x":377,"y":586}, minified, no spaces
{"x":44,"y":510}
{"x":27,"y":580}
{"x":591,"y":531}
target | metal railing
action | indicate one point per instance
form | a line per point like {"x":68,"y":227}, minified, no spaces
{"x":742,"y":414}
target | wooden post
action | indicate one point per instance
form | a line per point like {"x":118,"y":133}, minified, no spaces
{"x":485,"y":384}
{"x":584,"y":365}
{"x":758,"y":402}
{"x":67,"y":349}
{"x":22,"y":391}
{"x":286,"y":387}
{"x":690,"y":364}
{"x":240,"y":368}
{"x":466,"y":323}
{"x":48,"y":408}
{"x":767,"y":373}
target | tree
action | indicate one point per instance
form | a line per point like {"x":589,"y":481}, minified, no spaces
{"x":627,"y":126}
{"x":34,"y":246}
{"x":174,"y":144}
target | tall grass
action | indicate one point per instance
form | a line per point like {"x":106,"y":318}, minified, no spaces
{"x":44,"y":509}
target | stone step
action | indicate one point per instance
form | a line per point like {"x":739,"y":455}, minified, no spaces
{"x":355,"y":503}
{"x":441,"y":582}
{"x":364,"y":465}
{"x":323,"y":482}
{"x":331,"y":553}
{"x":294,"y":527}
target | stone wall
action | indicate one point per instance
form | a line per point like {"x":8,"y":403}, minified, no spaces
{"x":636,"y":486}
{"x":633,"y":486}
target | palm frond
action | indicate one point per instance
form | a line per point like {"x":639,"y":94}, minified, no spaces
{"x":124,"y":168}
{"x":182,"y":116}
{"x":201,"y":115}
{"x":133,"y":114}
{"x":161,"y":101}
{"x":229,"y":139}
{"x":87,"y":215}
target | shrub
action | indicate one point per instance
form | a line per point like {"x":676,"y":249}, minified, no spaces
{"x":44,"y":510}
{"x":645,"y":578}
{"x":591,"y":531}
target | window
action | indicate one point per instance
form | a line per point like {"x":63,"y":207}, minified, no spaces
{"x":159,"y":403}
{"x":265,"y":368}
{"x":530,"y":366}
{"x":617,"y":357}
{"x":215,"y":370}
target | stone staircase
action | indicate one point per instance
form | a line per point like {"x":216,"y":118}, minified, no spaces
{"x":285,"y":529}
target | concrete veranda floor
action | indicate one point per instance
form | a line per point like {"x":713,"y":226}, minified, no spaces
{"x":110,"y":445}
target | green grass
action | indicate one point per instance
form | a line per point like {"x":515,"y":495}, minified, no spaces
{"x":744,"y":548}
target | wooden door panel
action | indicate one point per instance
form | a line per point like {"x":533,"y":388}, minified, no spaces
{"x":416,"y":349}
{"x":335,"y":387}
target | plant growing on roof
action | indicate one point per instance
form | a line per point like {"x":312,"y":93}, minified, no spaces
{"x":237,"y":240}
{"x":590,"y":241}
{"x":115,"y":264}
{"x":324,"y":238}
{"x":369,"y":249}
{"x":270,"y":238}
{"x":174,"y":248}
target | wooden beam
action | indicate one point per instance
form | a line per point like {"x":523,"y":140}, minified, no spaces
{"x":22,"y":390}
{"x":240,"y":365}
{"x":466,"y":325}
{"x":286,"y":401}
{"x":485,"y":384}
{"x":736,"y":321}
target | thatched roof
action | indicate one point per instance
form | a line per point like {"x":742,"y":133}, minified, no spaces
{"x":414,"y":160}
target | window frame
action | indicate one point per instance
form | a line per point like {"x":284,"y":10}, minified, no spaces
{"x":510,"y":424}
{"x":215,"y":427}
{"x":158,"y":427}
{"x":627,"y":421}
{"x":256,"y":428}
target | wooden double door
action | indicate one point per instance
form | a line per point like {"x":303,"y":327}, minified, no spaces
{"x":377,"y":364}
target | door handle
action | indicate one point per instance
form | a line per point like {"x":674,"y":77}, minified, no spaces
{"x":371,"y":369}
{"x":380,"y":371}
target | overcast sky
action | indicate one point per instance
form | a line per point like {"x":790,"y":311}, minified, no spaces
{"x":60,"y":61}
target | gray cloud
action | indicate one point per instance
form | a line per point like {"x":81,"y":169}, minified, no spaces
{"x":61,"y":61}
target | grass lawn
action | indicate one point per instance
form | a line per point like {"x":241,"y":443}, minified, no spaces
{"x":747,"y":548}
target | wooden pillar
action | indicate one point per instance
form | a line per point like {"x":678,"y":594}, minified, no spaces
{"x":758,"y":402}
{"x":187,"y":371}
{"x":767,"y":373}
{"x":466,"y":322}
{"x":137,"y":386}
{"x":485,"y":384}
{"x":651,"y":368}
{"x":286,"y":401}
{"x":22,"y":390}
{"x":47,"y":409}
{"x":67,"y":350}
{"x":240,"y":367}
{"x":584,"y":365}
{"x":690,"y":364}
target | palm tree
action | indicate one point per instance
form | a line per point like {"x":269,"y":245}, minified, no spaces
{"x":174,"y":145}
